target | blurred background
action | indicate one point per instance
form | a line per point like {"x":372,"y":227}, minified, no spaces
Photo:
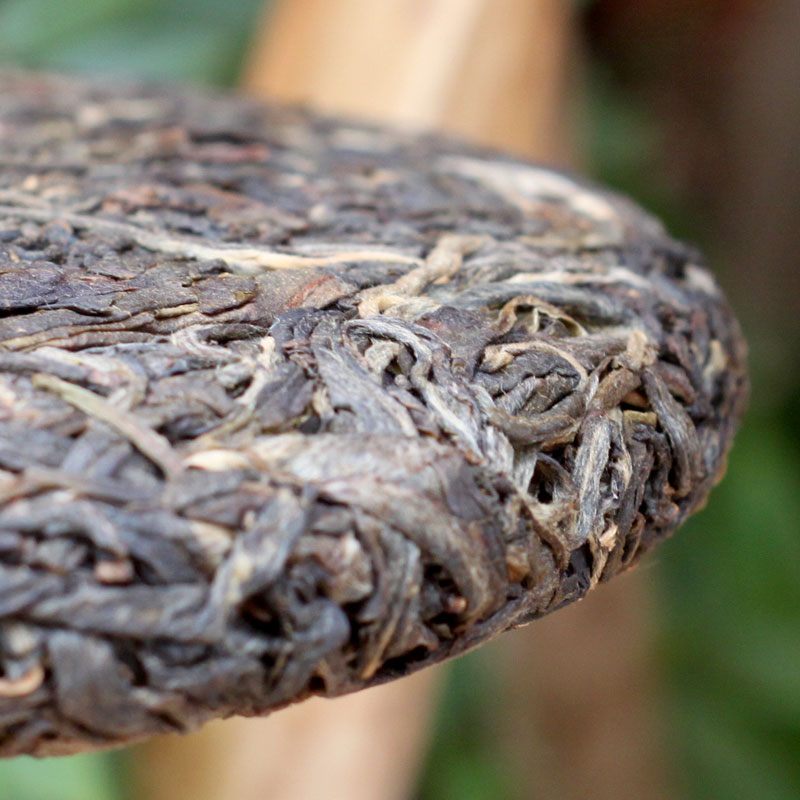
{"x":678,"y":681}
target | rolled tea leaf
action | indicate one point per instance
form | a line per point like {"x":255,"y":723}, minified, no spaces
{"x":292,"y":405}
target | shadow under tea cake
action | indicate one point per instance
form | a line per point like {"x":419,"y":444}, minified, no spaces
{"x":291,"y":405}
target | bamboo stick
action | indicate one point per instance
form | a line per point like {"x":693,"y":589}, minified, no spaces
{"x":495,"y":71}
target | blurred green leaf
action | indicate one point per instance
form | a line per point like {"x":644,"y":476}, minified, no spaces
{"x":30,"y":28}
{"x":726,"y":757}
{"x":199,"y":40}
{"x":91,"y":777}
{"x":465,"y":762}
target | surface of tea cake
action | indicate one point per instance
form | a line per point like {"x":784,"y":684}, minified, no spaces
{"x":292,"y":406}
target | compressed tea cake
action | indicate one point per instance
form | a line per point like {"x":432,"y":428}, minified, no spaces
{"x":291,"y":405}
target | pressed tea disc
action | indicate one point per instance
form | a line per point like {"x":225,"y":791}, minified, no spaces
{"x":291,"y":405}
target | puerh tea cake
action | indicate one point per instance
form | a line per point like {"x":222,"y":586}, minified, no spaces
{"x":292,"y":405}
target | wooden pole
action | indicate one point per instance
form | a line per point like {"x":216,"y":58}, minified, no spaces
{"x":494,"y":71}
{"x":364,"y":746}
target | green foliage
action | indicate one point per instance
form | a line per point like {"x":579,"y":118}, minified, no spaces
{"x":198,"y":40}
{"x":466,"y":762}
{"x":622,"y":142}
{"x":78,"y":778}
